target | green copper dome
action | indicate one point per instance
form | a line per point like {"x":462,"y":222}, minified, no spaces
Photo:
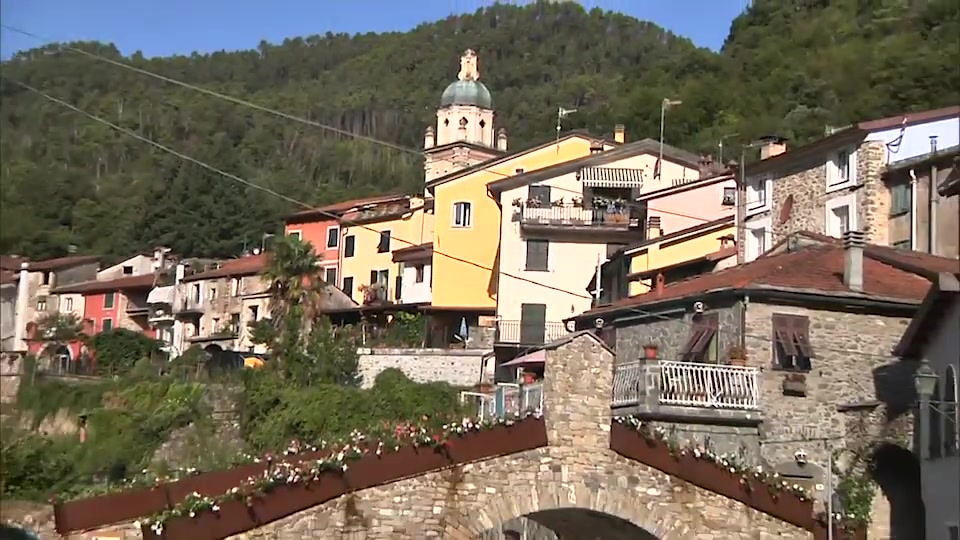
{"x":467,"y":93}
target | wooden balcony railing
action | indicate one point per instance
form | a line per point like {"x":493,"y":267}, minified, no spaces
{"x":686,"y":384}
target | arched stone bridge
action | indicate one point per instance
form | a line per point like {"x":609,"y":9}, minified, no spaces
{"x":576,"y":486}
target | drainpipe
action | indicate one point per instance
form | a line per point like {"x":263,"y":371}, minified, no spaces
{"x":934,"y":201}
{"x":913,"y":211}
{"x":743,"y":321}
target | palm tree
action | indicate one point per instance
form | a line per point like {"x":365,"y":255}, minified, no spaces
{"x":296,"y":282}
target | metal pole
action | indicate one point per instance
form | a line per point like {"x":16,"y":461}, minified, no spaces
{"x":829,"y":489}
{"x":741,"y":210}
{"x":663,"y":110}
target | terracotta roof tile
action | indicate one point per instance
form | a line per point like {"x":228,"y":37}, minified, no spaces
{"x":337,"y":208}
{"x":817,"y":268}
{"x":56,"y":264}
{"x":245,"y":266}
{"x":143,"y":281}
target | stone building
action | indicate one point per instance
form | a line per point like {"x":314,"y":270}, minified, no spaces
{"x":925,"y":202}
{"x":781,"y":360}
{"x":835,"y":184}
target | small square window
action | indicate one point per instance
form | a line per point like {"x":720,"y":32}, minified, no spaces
{"x":349,"y":245}
{"x":333,"y":237}
{"x":108,"y":300}
{"x":330,"y":276}
{"x":462,"y":214}
{"x":384,"y":245}
{"x":107,"y":325}
{"x":420,"y":271}
{"x":296,"y":234}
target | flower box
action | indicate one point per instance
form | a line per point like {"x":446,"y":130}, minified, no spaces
{"x":706,"y":474}
{"x":253,"y":511}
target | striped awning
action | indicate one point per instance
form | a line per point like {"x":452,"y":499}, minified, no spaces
{"x":613,"y":177}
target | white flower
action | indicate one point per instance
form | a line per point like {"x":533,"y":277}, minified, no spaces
{"x":215,"y":508}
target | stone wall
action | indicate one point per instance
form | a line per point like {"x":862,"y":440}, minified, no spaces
{"x":670,"y":333}
{"x":10,"y":367}
{"x":555,"y":485}
{"x":459,"y":367}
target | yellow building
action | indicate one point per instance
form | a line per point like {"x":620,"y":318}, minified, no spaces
{"x":679,"y":255}
{"x":369,"y":236}
{"x":463,"y":155}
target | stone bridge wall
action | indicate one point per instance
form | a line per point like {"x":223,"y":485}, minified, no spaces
{"x":576,"y":471}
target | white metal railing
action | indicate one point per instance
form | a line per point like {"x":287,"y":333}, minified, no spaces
{"x":575,"y":216}
{"x":507,"y":400}
{"x":687,"y":384}
{"x":709,"y":385}
{"x":628,"y":383}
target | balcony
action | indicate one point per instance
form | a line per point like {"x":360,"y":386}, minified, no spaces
{"x":506,"y":400}
{"x":686,"y":388}
{"x":188,"y":306}
{"x":137,"y":308}
{"x":525,"y":333}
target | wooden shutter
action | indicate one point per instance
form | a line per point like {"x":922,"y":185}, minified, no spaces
{"x":533,"y":322}
{"x":373,"y":277}
{"x":538,"y":254}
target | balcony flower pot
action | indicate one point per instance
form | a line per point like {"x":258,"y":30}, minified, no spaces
{"x":795,"y":384}
{"x":650,"y":352}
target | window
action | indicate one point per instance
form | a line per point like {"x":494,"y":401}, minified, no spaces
{"x":106,"y":325}
{"x":254,"y":313}
{"x":791,"y":342}
{"x":47,"y":278}
{"x":729,"y":196}
{"x":757,"y":194}
{"x":235,"y":286}
{"x":380,"y":277}
{"x":108,"y":300}
{"x":330,"y":276}
{"x":702,"y":344}
{"x":397,"y":287}
{"x":68,"y":304}
{"x":348,"y":285}
{"x":297,"y":234}
{"x":349,"y":245}
{"x":841,"y":170}
{"x":841,"y":215}
{"x":333,"y":237}
{"x":900,"y":199}
{"x":462,"y":214}
{"x":533,"y":323}
{"x":127,"y":270}
{"x":384,"y":245}
{"x":757,"y":234}
{"x":196,"y":292}
{"x":540,"y":194}
{"x":538,"y":255}
{"x":419,"y":270}
{"x":41,"y":304}
{"x":213,"y":293}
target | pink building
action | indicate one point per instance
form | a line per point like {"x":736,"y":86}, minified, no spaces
{"x":689,"y":204}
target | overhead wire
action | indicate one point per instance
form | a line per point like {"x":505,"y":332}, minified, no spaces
{"x":272,"y":192}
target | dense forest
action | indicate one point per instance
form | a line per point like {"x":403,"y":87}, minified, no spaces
{"x":789,"y":67}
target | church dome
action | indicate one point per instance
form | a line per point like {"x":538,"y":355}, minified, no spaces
{"x":467,"y":93}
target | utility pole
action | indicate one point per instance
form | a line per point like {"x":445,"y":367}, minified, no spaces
{"x":664,"y":105}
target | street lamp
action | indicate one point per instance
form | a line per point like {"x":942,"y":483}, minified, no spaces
{"x":925,"y":381}
{"x":664,"y":105}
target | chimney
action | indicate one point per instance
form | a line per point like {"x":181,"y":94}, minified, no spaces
{"x":706,"y":166}
{"x":429,"y":138}
{"x":853,"y":244}
{"x":653,"y":227}
{"x":596,"y":147}
{"x":620,"y":133}
{"x":933,"y":144}
{"x":502,"y":140}
{"x":772,"y":147}
{"x":659,"y":283}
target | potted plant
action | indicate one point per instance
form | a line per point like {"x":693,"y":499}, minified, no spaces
{"x":576,"y":201}
{"x":737,"y":355}
{"x":532,"y":203}
{"x":517,"y":203}
{"x":795,"y":384}
{"x":557,"y":203}
{"x":650,"y":352}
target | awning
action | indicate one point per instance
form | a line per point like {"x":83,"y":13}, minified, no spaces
{"x":536,"y":357}
{"x":161,"y":295}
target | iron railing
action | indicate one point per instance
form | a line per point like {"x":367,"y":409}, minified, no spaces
{"x":575,"y":216}
{"x":686,"y":384}
{"x":525,"y":333}
{"x":507,"y":400}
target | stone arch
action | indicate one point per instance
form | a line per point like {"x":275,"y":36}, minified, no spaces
{"x":544,"y":503}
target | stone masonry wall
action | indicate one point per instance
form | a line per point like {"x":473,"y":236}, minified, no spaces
{"x":459,"y":367}
{"x":671,"y":334}
{"x":576,"y":471}
{"x":806,"y":183}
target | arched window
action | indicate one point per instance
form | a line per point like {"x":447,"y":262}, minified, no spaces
{"x":936,"y":424}
{"x":949,"y":408}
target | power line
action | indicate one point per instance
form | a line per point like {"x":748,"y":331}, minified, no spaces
{"x":236,"y":178}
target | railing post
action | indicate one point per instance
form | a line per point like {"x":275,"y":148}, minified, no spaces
{"x":650,"y":381}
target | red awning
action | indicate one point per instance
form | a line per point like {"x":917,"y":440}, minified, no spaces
{"x":536,"y":357}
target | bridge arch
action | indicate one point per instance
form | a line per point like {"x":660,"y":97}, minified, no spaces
{"x":571,"y":510}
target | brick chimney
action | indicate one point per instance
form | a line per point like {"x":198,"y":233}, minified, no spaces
{"x":853,"y":244}
{"x":653,"y":227}
{"x":596,"y":147}
{"x":620,"y":133}
{"x":772,"y":147}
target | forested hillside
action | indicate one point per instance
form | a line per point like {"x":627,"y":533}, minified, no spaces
{"x":788,"y":67}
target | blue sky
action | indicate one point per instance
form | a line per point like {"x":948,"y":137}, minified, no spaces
{"x":165,"y":27}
